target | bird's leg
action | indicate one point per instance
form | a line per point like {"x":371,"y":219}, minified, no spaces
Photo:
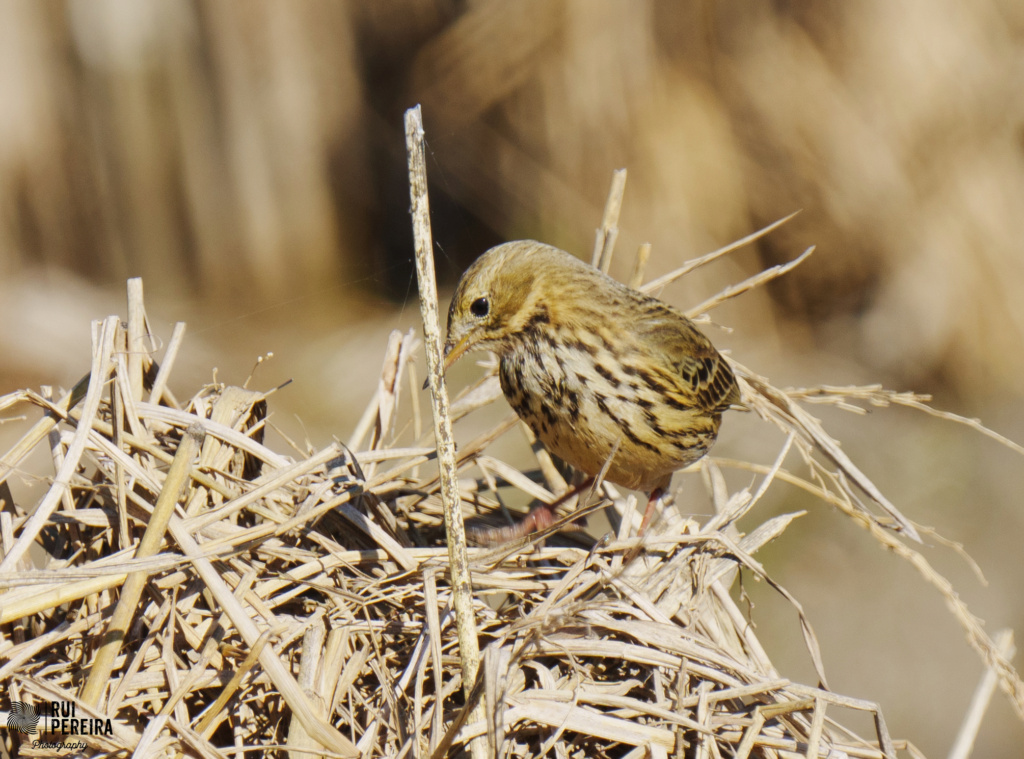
{"x":539,"y":518}
{"x":656,"y":495}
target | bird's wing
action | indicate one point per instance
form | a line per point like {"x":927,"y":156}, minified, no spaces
{"x":683,"y":353}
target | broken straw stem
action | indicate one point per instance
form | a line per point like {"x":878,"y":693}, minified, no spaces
{"x":462,"y":587}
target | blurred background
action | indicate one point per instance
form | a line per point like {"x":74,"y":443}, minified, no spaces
{"x":247,"y":160}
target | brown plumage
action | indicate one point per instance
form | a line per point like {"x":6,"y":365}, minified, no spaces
{"x":590,"y":364}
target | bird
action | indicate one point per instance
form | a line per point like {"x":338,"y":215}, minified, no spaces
{"x":607,"y":378}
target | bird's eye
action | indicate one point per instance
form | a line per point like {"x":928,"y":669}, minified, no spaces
{"x":480,"y":307}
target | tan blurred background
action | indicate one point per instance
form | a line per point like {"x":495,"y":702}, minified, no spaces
{"x":247,"y":160}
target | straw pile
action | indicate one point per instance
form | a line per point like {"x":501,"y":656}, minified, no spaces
{"x":211,"y":596}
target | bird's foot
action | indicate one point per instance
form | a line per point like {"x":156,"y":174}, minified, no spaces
{"x":538,"y":519}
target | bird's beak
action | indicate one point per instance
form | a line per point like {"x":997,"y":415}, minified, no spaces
{"x":452,"y":353}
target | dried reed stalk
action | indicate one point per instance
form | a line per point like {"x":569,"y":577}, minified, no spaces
{"x":455,"y":531}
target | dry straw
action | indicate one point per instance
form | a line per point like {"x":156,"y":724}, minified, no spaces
{"x":214,"y":597}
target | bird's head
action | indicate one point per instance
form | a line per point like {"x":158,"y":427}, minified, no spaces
{"x":496,"y":298}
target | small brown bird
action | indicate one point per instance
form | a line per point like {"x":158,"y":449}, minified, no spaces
{"x":592,"y":366}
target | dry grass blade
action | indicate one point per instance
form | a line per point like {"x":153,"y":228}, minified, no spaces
{"x":657,"y":285}
{"x":782,"y":409}
{"x":776,"y":406}
{"x":643,"y":255}
{"x":103,"y":346}
{"x":757,"y":280}
{"x":979,"y":704}
{"x":175,"y":485}
{"x":877,"y":395}
{"x":608,"y":233}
